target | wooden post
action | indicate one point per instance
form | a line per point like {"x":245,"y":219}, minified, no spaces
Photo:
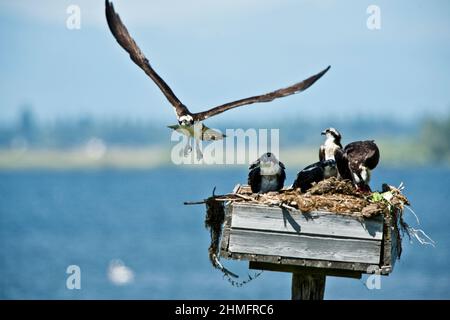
{"x":308,"y":286}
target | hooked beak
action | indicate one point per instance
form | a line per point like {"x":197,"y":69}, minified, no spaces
{"x":323,"y":133}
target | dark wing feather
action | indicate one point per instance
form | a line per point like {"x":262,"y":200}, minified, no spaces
{"x":322,"y":153}
{"x":122,"y":36}
{"x":281,"y":178}
{"x":310,"y":174}
{"x":298,"y":87}
{"x":254,"y":165}
{"x":373,"y":155}
{"x":254,"y":179}
{"x":342,"y":164}
{"x":362,"y":152}
{"x":354,"y":156}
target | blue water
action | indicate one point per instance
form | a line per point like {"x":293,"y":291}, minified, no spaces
{"x":50,"y":220}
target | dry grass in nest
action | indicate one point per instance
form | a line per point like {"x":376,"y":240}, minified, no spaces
{"x":331,"y":195}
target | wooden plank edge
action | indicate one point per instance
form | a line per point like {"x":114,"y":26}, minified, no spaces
{"x":325,"y":264}
{"x":255,"y":265}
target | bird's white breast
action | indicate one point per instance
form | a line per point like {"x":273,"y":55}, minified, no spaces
{"x":365,"y":174}
{"x":330,"y":149}
{"x":270,"y":169}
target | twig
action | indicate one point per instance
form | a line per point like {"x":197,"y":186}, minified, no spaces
{"x":223,"y":197}
{"x":283,"y":205}
{"x":244,"y":197}
{"x":227,"y":199}
{"x":188,"y":203}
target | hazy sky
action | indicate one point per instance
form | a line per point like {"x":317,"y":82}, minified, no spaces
{"x":211,"y":52}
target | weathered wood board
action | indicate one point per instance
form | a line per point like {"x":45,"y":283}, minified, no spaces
{"x":253,"y":217}
{"x":268,"y":236}
{"x":305,"y":246}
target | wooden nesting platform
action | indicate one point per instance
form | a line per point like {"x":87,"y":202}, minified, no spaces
{"x":278,"y":239}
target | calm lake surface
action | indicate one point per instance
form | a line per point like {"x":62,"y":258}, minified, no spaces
{"x":50,"y":220}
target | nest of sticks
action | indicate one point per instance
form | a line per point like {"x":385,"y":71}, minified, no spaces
{"x":331,"y":195}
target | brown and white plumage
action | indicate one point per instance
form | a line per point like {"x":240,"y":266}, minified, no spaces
{"x":122,"y":36}
{"x":331,"y":144}
{"x":314,"y":173}
{"x":267,"y":97}
{"x":326,"y":166}
{"x":266,"y":174}
{"x":356,"y":161}
{"x":184,"y":116}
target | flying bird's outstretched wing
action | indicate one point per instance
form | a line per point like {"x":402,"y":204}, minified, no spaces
{"x":296,"y":88}
{"x":122,"y":36}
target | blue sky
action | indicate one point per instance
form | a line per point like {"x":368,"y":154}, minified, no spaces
{"x":211,"y":52}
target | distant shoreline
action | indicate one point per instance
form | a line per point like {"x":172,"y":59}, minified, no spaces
{"x":393,"y":154}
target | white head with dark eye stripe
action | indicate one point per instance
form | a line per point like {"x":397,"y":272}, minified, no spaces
{"x":332,"y":134}
{"x":186,"y":120}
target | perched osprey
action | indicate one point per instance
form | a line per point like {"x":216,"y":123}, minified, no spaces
{"x":187,"y":119}
{"x":326,"y":166}
{"x":266,"y":174}
{"x":331,"y":144}
{"x":356,"y":161}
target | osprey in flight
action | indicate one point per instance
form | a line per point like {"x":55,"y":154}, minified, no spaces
{"x":187,"y":119}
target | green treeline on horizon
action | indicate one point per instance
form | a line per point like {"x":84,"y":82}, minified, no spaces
{"x":428,"y":136}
